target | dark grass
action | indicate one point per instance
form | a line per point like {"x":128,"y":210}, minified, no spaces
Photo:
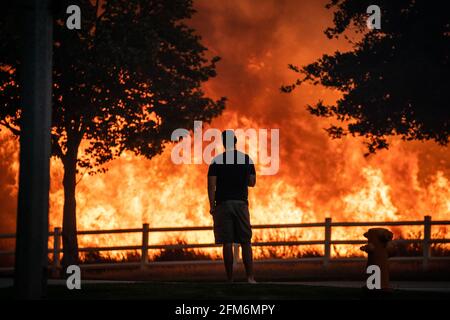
{"x":266,"y":272}
{"x":219,"y":291}
{"x":274,"y":272}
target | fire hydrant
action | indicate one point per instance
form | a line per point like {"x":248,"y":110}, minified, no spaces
{"x":378,"y":253}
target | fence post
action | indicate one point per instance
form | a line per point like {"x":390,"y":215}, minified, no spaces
{"x":426,"y":241}
{"x":56,"y":250}
{"x":144,"y":251}
{"x":327,"y":243}
{"x":236,"y":258}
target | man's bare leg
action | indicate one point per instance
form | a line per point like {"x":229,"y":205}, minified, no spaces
{"x":228,"y":260}
{"x":247,"y":258}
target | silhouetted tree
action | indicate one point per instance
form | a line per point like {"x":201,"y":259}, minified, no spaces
{"x":125,"y":81}
{"x":395,"y":80}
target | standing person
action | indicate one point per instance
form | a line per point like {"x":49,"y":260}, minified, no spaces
{"x":229,"y":176}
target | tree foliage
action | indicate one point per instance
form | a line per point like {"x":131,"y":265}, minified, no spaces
{"x":125,"y":81}
{"x":394,"y":81}
{"x":131,"y":75}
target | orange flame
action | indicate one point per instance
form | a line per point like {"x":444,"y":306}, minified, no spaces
{"x":318,"y":177}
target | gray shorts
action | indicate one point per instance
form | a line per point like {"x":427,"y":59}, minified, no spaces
{"x":232,"y":222}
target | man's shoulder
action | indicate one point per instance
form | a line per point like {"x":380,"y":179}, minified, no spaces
{"x":238,"y":156}
{"x":217,"y":159}
{"x":245,"y":156}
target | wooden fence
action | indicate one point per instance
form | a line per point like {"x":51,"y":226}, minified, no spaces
{"x":327,"y":242}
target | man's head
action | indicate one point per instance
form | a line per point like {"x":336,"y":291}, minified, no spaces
{"x":229,"y":139}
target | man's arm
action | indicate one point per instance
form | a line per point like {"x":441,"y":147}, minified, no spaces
{"x":252,"y":174}
{"x":252,"y":180}
{"x":212,"y":181}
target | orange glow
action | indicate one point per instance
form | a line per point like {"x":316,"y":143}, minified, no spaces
{"x":318,"y":177}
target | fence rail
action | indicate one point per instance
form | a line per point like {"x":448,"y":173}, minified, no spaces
{"x":327,"y":242}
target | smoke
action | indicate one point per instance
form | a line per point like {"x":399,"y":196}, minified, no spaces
{"x":256,"y":41}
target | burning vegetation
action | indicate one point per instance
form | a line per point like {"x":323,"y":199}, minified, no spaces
{"x":318,"y":177}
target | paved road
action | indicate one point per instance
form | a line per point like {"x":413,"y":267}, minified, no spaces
{"x":433,"y":286}
{"x":8,"y":282}
{"x":437,"y":286}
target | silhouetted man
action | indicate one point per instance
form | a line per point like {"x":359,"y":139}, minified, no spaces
{"x":229,"y":176}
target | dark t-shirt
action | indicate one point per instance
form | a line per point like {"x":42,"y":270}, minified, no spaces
{"x":232,"y":169}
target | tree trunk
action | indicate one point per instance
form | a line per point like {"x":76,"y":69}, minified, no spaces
{"x":69,"y":232}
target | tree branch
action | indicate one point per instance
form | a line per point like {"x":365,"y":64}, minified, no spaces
{"x":56,"y":148}
{"x":15,"y":131}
